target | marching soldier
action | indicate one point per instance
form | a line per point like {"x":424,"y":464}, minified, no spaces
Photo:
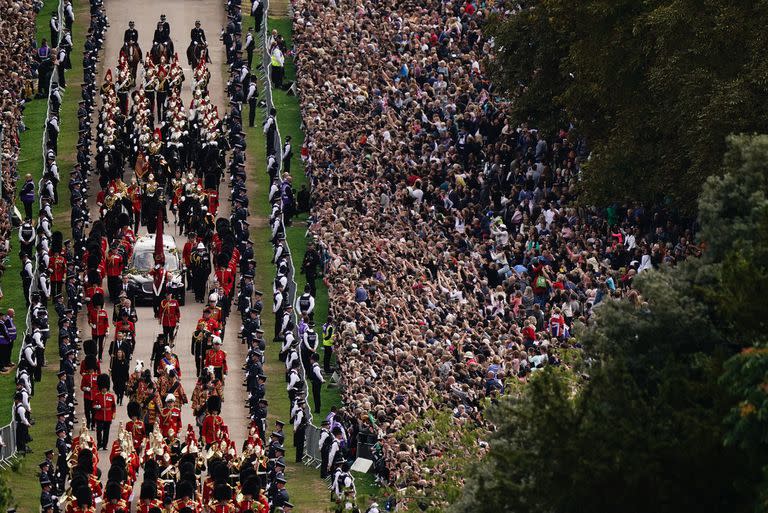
{"x":201,"y":344}
{"x":170,"y":314}
{"x":217,"y":359}
{"x":105,"y":407}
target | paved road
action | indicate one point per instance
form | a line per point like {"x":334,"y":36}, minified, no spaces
{"x":181,"y":15}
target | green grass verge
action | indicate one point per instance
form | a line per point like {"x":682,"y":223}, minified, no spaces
{"x":22,"y":478}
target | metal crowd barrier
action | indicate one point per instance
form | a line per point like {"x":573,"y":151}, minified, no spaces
{"x":8,"y":432}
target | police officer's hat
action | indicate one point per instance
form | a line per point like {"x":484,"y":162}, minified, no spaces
{"x":279,"y":423}
{"x":287,"y":505}
{"x":258,"y":292}
{"x":61,"y":394}
{"x":60,"y":373}
{"x":280,"y":462}
{"x":42,"y":464}
{"x":280,"y":479}
{"x":262,"y":377}
{"x":61,"y":429}
{"x":325,"y":423}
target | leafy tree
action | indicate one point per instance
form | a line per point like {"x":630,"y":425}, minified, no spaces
{"x":654,"y":86}
{"x":675,"y":415}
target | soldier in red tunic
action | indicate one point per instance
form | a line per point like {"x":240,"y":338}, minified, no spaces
{"x":170,"y":314}
{"x":115,"y":266}
{"x":89,"y":386}
{"x":170,"y":418}
{"x":148,"y":498}
{"x":223,"y":500}
{"x":99,"y":326}
{"x":135,"y":426}
{"x":217,"y":358}
{"x":104,"y":408}
{"x":212,"y":423}
{"x":57,"y":265}
{"x":114,"y":501}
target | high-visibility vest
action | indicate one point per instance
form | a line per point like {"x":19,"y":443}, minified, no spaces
{"x":275,"y":61}
{"x":328,"y":333}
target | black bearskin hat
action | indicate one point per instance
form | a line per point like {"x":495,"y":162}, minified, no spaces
{"x":98,"y":299}
{"x":251,"y":486}
{"x":115,"y":473}
{"x":217,"y":469}
{"x":148,"y":490}
{"x":85,"y":461}
{"x":90,"y":362}
{"x":222,"y":492}
{"x":57,"y":242}
{"x":113,"y":490}
{"x":184,"y":489}
{"x":150,"y":470}
{"x":103,"y":381}
{"x":214,"y":404}
{"x":83,"y":496}
{"x":134,"y":410}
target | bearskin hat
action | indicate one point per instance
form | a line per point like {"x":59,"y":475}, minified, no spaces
{"x":184,"y":489}
{"x":85,"y":460}
{"x":94,"y":258}
{"x":57,"y":242}
{"x":217,"y":469}
{"x":113,"y":490}
{"x":119,"y":462}
{"x":150,"y":470}
{"x":103,"y":381}
{"x":123,"y":220}
{"x":90,"y":362}
{"x":222,"y":492}
{"x":83,"y":496}
{"x":148,"y":490}
{"x":251,"y":486}
{"x":98,"y":298}
{"x":116,"y":473}
{"x":222,"y":259}
{"x":214,"y":404}
{"x":134,"y":410}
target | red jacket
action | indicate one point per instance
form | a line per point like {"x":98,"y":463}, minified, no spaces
{"x":213,"y":200}
{"x":211,"y":428}
{"x":58,"y":267}
{"x":226,"y":277}
{"x":137,"y":430}
{"x":101,"y":323}
{"x":170,"y":418}
{"x":170,"y":313}
{"x":216,"y":359}
{"x":88,"y":385}
{"x":104,"y":406}
{"x":114,"y":265}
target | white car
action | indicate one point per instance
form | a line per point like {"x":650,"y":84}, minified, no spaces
{"x":142,"y":262}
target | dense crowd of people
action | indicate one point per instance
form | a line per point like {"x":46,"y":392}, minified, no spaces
{"x":456,"y":256}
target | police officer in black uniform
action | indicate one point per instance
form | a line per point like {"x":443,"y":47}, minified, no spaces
{"x":131,"y":35}
{"x":197,"y":34}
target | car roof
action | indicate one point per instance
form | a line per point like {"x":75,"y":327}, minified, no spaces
{"x":148,"y":242}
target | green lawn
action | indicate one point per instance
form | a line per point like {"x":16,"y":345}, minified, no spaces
{"x":22,"y":480}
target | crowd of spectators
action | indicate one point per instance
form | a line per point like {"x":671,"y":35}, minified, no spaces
{"x":456,"y":256}
{"x":18,"y":69}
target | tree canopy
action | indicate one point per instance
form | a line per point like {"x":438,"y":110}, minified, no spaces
{"x":653,"y":86}
{"x":674,"y":415}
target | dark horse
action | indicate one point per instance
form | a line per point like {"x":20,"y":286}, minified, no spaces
{"x":132,"y":54}
{"x":160,"y":50}
{"x":197,"y":52}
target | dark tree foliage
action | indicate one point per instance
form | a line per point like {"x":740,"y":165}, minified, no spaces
{"x":674,"y":416}
{"x":654,"y":86}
